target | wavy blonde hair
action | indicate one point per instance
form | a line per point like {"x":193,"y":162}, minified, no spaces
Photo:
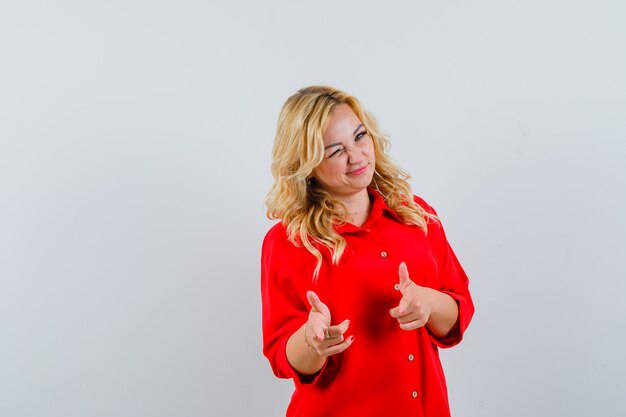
{"x":309,"y":212}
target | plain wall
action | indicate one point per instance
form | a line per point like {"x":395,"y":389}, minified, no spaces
{"x":135,"y":141}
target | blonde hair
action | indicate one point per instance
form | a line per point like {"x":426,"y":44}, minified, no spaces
{"x":308,"y":211}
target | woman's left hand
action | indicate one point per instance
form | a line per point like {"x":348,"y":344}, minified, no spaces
{"x":416,"y":305}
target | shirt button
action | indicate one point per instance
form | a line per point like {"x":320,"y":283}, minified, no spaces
{"x":411,"y":357}
{"x":396,"y":287}
{"x":414,"y":394}
{"x":383,"y":254}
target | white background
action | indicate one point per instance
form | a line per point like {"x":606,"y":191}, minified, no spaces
{"x":135,"y":141}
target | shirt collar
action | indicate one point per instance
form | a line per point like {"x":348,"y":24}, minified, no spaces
{"x":379,"y":208}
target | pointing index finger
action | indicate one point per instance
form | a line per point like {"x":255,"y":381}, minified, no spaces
{"x":338,"y":331}
{"x":340,"y":328}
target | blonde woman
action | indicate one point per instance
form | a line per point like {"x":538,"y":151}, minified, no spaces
{"x":360,"y":287}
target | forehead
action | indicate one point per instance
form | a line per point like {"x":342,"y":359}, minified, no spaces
{"x":341,"y":124}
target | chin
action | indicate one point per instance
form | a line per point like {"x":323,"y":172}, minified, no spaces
{"x":370,"y":176}
{"x":365,"y":182}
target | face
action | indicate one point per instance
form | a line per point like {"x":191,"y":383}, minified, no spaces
{"x":349,"y":162}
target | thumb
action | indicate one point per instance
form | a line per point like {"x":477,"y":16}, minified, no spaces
{"x":315,"y":301}
{"x":403,"y":272}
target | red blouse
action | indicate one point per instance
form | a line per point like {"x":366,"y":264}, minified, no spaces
{"x":387,"y":371}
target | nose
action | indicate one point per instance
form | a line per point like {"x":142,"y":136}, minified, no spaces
{"x":354,"y":156}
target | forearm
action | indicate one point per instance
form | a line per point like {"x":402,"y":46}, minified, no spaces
{"x":304,"y":359}
{"x":444,"y":316}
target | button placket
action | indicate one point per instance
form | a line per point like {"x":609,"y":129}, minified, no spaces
{"x":384,"y":254}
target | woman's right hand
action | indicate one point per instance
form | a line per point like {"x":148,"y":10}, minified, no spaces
{"x":325,"y":339}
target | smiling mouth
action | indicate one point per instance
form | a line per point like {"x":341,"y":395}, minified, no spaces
{"x":358,"y":171}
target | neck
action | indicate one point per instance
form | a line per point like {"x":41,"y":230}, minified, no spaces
{"x":357,"y":202}
{"x":358,"y":207}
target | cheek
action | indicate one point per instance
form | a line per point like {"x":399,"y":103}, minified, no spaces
{"x":325,"y":172}
{"x":318,"y":172}
{"x":369,"y":149}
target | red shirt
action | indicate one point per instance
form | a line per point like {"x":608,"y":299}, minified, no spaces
{"x":387,"y":371}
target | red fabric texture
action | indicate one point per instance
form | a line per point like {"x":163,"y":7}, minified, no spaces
{"x":387,"y":371}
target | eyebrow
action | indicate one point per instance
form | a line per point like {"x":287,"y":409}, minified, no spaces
{"x":339,"y":143}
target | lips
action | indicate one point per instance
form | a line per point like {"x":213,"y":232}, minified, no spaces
{"x":358,"y":171}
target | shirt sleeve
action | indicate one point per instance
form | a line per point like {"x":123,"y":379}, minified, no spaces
{"x":285,"y":308}
{"x":452,"y":278}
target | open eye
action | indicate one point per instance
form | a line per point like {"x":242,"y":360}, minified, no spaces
{"x":360,"y":135}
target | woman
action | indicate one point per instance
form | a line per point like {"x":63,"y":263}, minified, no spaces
{"x":359,"y":285}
